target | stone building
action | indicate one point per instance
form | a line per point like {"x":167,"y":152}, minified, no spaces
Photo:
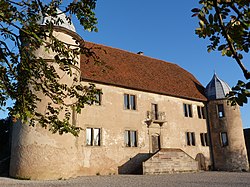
{"x":227,"y":138}
{"x":153,"y":117}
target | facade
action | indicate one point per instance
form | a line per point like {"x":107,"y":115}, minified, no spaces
{"x":150,"y":112}
{"x":227,"y":138}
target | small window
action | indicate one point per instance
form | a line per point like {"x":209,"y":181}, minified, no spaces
{"x":129,"y":102}
{"x":201,"y":112}
{"x":130,"y":138}
{"x":155,"y":113}
{"x":98,"y":98}
{"x":132,"y":102}
{"x":221,"y":111}
{"x":188,"y":110}
{"x":224,"y":139}
{"x":190,"y":137}
{"x":126,"y":101}
{"x":204,"y":139}
{"x":93,"y":136}
{"x":74,"y":116}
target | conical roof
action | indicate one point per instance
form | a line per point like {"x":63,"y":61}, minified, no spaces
{"x":65,"y":23}
{"x":217,"y":88}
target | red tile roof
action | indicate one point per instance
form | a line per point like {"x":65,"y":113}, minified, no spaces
{"x":134,"y":71}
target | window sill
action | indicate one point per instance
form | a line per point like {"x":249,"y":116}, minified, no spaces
{"x":93,"y":146}
{"x":131,"y":147}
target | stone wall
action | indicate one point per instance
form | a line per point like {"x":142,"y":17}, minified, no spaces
{"x":38,"y":154}
{"x":170,"y":161}
{"x":231,"y":157}
{"x":113,"y":120}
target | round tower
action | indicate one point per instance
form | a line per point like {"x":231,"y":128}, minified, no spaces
{"x":226,"y":132}
{"x":36,"y":153}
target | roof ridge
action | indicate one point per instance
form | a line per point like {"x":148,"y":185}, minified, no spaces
{"x":123,"y":50}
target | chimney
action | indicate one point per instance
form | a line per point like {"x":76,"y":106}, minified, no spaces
{"x":140,"y":53}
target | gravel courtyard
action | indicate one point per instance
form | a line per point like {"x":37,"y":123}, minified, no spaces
{"x":206,"y":179}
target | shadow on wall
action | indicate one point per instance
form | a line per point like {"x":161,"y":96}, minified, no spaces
{"x":5,"y":136}
{"x":235,"y":161}
{"x":134,"y":165}
{"x":247,"y":141}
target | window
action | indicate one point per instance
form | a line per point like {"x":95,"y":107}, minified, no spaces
{"x":201,"y":112}
{"x":129,"y":102}
{"x":74,"y":116}
{"x":190,"y":137}
{"x":93,"y":136}
{"x":130,"y":138}
{"x":155,"y":113}
{"x":204,"y":139}
{"x":188,"y":110}
{"x":98,"y":98}
{"x":220,"y":110}
{"x":224,"y":139}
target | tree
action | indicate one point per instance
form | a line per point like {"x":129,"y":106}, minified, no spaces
{"x":23,"y":74}
{"x":226,"y":23}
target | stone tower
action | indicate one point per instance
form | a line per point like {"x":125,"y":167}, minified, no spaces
{"x":36,"y":152}
{"x":226,"y":132}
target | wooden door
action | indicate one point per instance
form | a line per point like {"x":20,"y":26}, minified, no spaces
{"x":201,"y":161}
{"x":156,"y":144}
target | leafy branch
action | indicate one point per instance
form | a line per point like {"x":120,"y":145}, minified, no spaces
{"x":226,"y":24}
{"x":28,"y":79}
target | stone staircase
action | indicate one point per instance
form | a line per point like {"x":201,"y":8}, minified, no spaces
{"x":169,"y":161}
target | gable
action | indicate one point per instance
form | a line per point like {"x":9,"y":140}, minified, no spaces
{"x":135,"y":71}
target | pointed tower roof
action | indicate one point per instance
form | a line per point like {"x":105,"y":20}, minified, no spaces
{"x":61,"y":16}
{"x":217,"y":88}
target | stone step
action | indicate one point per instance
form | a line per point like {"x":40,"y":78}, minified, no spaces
{"x":169,"y":161}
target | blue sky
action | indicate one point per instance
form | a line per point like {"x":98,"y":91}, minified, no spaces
{"x":164,"y":30}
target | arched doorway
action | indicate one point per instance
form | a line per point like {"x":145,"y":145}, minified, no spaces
{"x":201,"y":161}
